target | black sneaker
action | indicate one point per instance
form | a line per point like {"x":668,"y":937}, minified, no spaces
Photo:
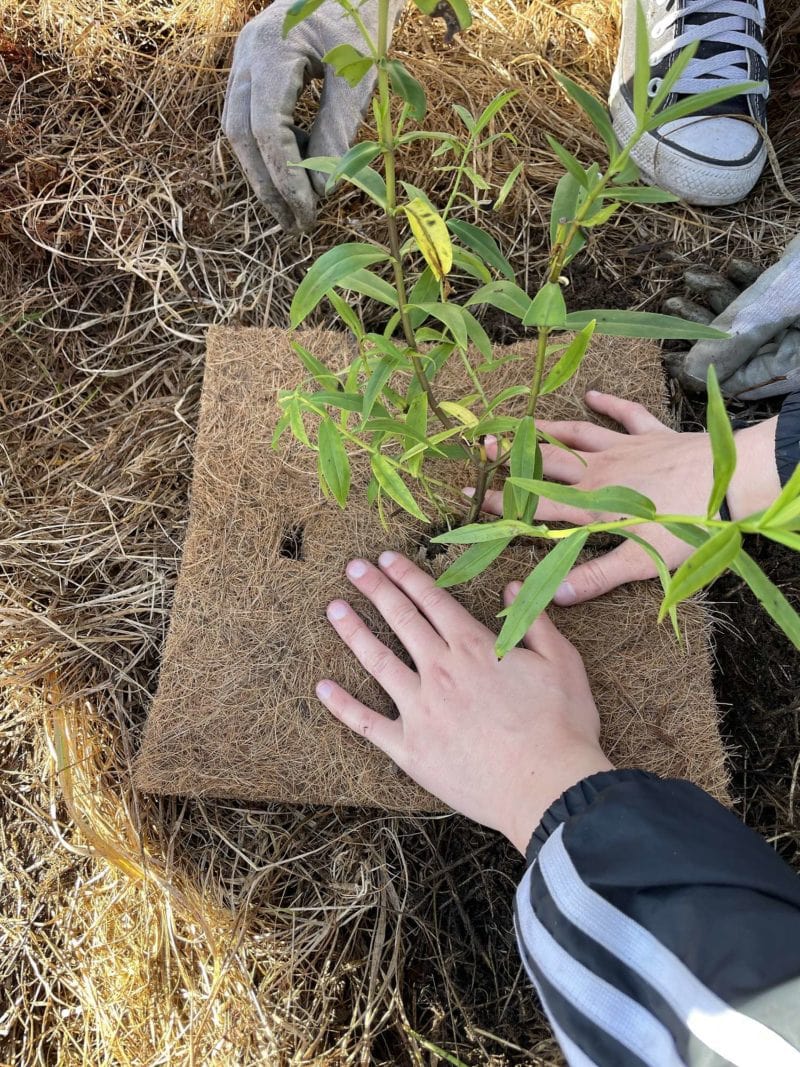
{"x":713,"y":157}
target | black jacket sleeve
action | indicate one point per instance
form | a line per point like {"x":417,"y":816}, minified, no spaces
{"x":658,"y":929}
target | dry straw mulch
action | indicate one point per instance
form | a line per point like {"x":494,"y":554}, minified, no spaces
{"x":236,"y":713}
{"x":137,"y":931}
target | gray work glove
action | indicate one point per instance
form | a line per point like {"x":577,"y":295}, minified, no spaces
{"x":267,"y":76}
{"x":762,"y":356}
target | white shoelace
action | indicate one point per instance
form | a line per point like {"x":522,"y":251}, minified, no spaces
{"x":731,"y":63}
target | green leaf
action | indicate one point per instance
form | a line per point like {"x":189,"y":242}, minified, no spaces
{"x":377,"y":380}
{"x":449,"y":315}
{"x":676,"y":69}
{"x":615,"y":323}
{"x":369,"y":284}
{"x":594,"y":110}
{"x":639,"y":194}
{"x":568,"y":364}
{"x":663,"y":574}
{"x":771,"y":598}
{"x":570,"y":162}
{"x":348,"y":63}
{"x":641,"y":66}
{"x":492,"y":108}
{"x":413,"y":192}
{"x":600,"y":216}
{"x":407,"y":88}
{"x":547,"y":308}
{"x":346,"y":313}
{"x":614,"y":499}
{"x":297,"y":13}
{"x":333,"y":462}
{"x":723,"y":446}
{"x":565,"y":204}
{"x":394,"y":486}
{"x":783,"y":502}
{"x":483,"y":244}
{"x":344,"y":401}
{"x":319,"y":372}
{"x":472,"y":562}
{"x":478,"y":532}
{"x":352,"y":162}
{"x":507,"y":296}
{"x":525,"y":463}
{"x":417,"y":422}
{"x":507,"y":186}
{"x":703,"y":566}
{"x":471,"y":265}
{"x":465,"y":116}
{"x":476,"y":332}
{"x":692,"y":105}
{"x":280,"y":428}
{"x":784,"y":537}
{"x":538,"y":590}
{"x":459,"y":412}
{"x":367,"y":179}
{"x":330,"y":269}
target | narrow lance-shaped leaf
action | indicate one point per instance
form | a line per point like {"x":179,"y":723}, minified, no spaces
{"x":353,"y":162}
{"x":610,"y":499}
{"x":483,"y":244}
{"x":507,"y":186}
{"x":407,"y":88}
{"x":662,"y":570}
{"x":699,"y":102}
{"x":538,"y":590}
{"x":570,"y":162}
{"x":523,"y":461}
{"x":370,"y":284}
{"x":472,"y":562}
{"x":330,"y":269}
{"x":723,"y":446}
{"x":562,"y":212}
{"x":615,"y":323}
{"x":334,"y":464}
{"x":641,"y":68}
{"x":449,"y":315}
{"x":784,"y":501}
{"x":432,"y":237}
{"x":394,"y":486}
{"x":704,"y":565}
{"x":478,"y":532}
{"x":367,"y":179}
{"x":595,"y":111}
{"x":770,"y":597}
{"x":507,"y":296}
{"x":572,"y":358}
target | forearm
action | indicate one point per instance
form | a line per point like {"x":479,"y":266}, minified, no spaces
{"x":659,"y":929}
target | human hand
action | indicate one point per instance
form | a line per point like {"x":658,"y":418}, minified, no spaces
{"x":675,"y":470}
{"x":498,"y":740}
{"x":267,"y":76}
{"x":761,"y":358}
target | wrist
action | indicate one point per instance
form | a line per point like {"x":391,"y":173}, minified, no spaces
{"x":755,"y":482}
{"x":542,"y":787}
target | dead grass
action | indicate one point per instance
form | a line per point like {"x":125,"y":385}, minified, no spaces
{"x":144,"y":932}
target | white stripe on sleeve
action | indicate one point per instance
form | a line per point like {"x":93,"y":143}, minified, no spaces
{"x":745,"y":1042}
{"x":611,"y":1010}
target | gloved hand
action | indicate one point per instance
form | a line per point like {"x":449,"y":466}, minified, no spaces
{"x":762,"y":357}
{"x":267,"y":76}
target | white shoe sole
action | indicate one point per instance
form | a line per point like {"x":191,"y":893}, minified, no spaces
{"x":694,"y":180}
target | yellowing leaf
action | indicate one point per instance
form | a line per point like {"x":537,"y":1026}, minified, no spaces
{"x":458,"y":411}
{"x":431,"y":235}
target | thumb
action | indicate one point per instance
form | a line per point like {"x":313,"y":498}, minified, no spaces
{"x":341,"y":111}
{"x":624,"y":564}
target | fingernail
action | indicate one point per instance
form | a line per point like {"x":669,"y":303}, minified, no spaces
{"x":386,"y":559}
{"x":490,"y":439}
{"x":337,"y":610}
{"x":324,"y":690}
{"x":357,"y":568}
{"x":469,"y":490}
{"x":565,"y":595}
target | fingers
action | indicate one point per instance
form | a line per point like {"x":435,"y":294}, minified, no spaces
{"x":581,"y":435}
{"x":383,"y":732}
{"x":419,"y":637}
{"x":635,"y":418}
{"x":627,"y":563}
{"x":447,"y":617}
{"x":390,"y":673}
{"x":546,"y":510}
{"x":559,"y":465}
{"x":543,"y":636}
